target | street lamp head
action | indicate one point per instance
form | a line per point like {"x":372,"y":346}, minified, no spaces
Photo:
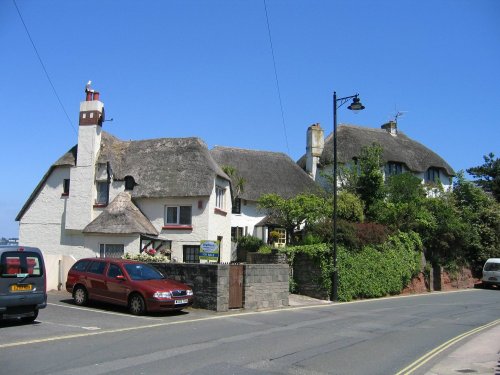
{"x":356,"y":105}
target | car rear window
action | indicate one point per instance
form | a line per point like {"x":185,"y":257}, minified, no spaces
{"x":97,"y":267}
{"x":20,"y":264}
{"x":80,"y":265}
{"x":490,"y":266}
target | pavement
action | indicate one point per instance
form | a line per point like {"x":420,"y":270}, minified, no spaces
{"x":478,"y":354}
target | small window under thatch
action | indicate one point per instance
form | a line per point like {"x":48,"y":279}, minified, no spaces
{"x":129,"y":183}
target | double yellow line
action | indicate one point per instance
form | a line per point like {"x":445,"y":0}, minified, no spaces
{"x":427,"y":357}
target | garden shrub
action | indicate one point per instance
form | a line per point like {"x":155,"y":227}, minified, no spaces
{"x":250,"y":243}
{"x":374,"y":271}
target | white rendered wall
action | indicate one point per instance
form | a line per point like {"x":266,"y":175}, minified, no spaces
{"x":154,"y":210}
{"x":250,"y":216}
{"x":220,"y":220}
{"x":131,"y":243}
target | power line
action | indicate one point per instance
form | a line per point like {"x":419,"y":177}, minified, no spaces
{"x":43,"y":66}
{"x":276,"y":77}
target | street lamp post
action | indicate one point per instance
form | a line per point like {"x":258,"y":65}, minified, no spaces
{"x":354,"y":106}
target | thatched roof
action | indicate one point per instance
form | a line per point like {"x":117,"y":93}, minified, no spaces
{"x":396,"y":148}
{"x":162,"y":167}
{"x":121,"y":216}
{"x":265,"y":172}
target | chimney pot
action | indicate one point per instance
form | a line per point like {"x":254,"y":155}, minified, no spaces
{"x":96,"y":95}
{"x":89,"y":96}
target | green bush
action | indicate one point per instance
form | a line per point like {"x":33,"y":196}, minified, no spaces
{"x":250,"y":243}
{"x":374,"y":271}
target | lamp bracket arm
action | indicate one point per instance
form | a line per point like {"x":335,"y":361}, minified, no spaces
{"x":344,"y":100}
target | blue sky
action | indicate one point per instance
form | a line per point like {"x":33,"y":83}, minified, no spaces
{"x":205,"y":69}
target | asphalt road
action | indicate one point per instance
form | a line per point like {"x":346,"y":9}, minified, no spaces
{"x":379,"y":336}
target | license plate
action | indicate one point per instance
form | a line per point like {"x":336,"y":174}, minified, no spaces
{"x":181,"y":301}
{"x":21,"y":288}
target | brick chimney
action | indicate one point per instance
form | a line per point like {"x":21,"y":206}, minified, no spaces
{"x":314,"y":148}
{"x":79,"y":211}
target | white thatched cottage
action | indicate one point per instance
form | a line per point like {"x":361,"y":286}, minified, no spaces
{"x":400,"y":153}
{"x":105,"y":197}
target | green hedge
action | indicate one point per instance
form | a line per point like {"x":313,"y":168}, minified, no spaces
{"x":374,"y":271}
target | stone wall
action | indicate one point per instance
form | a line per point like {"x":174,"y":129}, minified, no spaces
{"x":210,"y":282}
{"x":264,"y":285}
{"x":307,"y":276}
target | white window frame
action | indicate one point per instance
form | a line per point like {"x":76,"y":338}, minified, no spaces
{"x":220,"y":194}
{"x":104,"y":249}
{"x":177,"y":215}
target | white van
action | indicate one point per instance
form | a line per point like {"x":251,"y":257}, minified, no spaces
{"x":491,"y":272}
{"x":22,"y":283}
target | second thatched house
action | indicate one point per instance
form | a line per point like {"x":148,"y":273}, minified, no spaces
{"x":400,"y":153}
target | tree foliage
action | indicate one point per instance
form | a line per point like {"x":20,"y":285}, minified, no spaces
{"x":487,"y":176}
{"x":481,"y":215}
{"x":294,"y":212}
{"x":370,"y":182}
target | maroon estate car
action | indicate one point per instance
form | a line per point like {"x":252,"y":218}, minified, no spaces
{"x":137,"y":285}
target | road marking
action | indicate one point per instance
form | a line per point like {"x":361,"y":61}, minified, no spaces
{"x":71,"y":326}
{"x":434,"y":352}
{"x":104,"y":312}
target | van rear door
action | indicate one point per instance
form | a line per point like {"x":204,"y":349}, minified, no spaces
{"x":22,"y":282}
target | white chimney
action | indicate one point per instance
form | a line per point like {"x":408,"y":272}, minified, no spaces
{"x":314,"y":148}
{"x":79,"y":210}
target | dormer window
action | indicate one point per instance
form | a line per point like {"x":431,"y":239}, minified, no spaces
{"x":102,"y":197}
{"x":432,"y":175}
{"x":393,"y":168}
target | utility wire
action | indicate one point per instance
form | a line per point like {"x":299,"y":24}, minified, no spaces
{"x":43,"y":66}
{"x":276,"y":77}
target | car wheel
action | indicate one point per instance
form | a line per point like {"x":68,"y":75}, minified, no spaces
{"x":136,"y":304}
{"x":30,"y":319}
{"x":80,"y":296}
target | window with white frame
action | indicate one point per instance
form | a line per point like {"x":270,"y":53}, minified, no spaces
{"x":102,"y":196}
{"x":111,"y":250}
{"x":219,"y":197}
{"x":178,"y":215}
